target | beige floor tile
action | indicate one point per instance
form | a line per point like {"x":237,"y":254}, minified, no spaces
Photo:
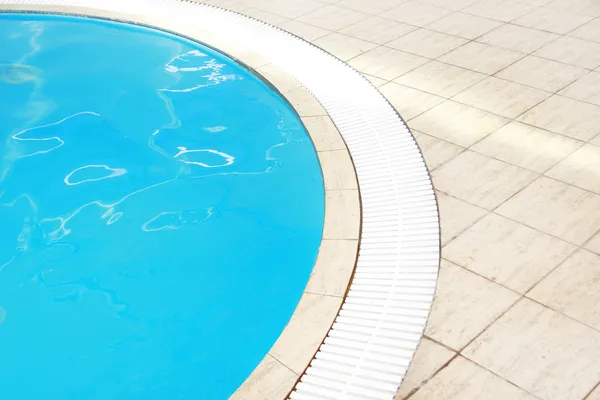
{"x":594,"y":244}
{"x":536,"y":348}
{"x":342,"y":46}
{"x":306,"y":330}
{"x":281,"y":79}
{"x":291,"y":9}
{"x":584,"y":7}
{"x":332,"y":17}
{"x":595,"y":395}
{"x":342,"y":214}
{"x":426,"y":43}
{"x":334,"y":267}
{"x":456,"y":216}
{"x":304,"y":103}
{"x":589,"y":31}
{"x":582,"y":169}
{"x":375,"y":81}
{"x":265,"y":16}
{"x":370,"y":7}
{"x":441,"y":79}
{"x":585,"y":89}
{"x":548,"y":19}
{"x":542,"y":74}
{"x":464,"y":25}
{"x":415,"y":13}
{"x":572,"y":287}
{"x":457,"y":123}
{"x":465,"y":380}
{"x":481,"y":57}
{"x":305,"y":31}
{"x":270,"y":380}
{"x":526,"y":146}
{"x":501,"y":97}
{"x":386,"y":63}
{"x":436,"y":151}
{"x":556,"y":208}
{"x":569,"y":50}
{"x":428,"y":359}
{"x":489,"y":184}
{"x":454,"y":5}
{"x":500,"y":10}
{"x":566,"y":116}
{"x":408,"y":101}
{"x":323,"y":133}
{"x":338,"y":170}
{"x":518,"y":38}
{"x":377,"y":30}
{"x":464,"y":305}
{"x":507,"y":252}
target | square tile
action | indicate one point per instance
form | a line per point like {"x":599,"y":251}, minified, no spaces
{"x":342,"y":214}
{"x":457,"y":123}
{"x":441,"y":79}
{"x":415,"y":13}
{"x":270,"y":380}
{"x":589,"y":31}
{"x":594,"y":244}
{"x":323,"y":133}
{"x":566,"y":116}
{"x":464,"y":25}
{"x":582,"y":168}
{"x":305,"y":31}
{"x":306,"y":330}
{"x":507,"y":252}
{"x":333,"y":268}
{"x":436,"y":151}
{"x":583,"y":7}
{"x":409,"y":102}
{"x":428,"y":359}
{"x":557,"y":208}
{"x":501,"y":97}
{"x":489,"y":184}
{"x":426,"y":43}
{"x":518,"y":38}
{"x":454,"y":5}
{"x":370,"y":7}
{"x":464,"y":305}
{"x":501,"y":10}
{"x":481,"y":57}
{"x":377,"y":30}
{"x":585,"y":89}
{"x":291,"y":9}
{"x":465,"y":380}
{"x":595,"y":395}
{"x":568,"y":50}
{"x":332,"y":17}
{"x":527,"y":147}
{"x":548,"y":19}
{"x":338,"y":170}
{"x":536,"y":348}
{"x":280,"y":78}
{"x":375,"y":81}
{"x":342,"y":46}
{"x":572,"y":287}
{"x":541,"y":73}
{"x":456,"y":216}
{"x":386,"y":63}
{"x":265,"y":16}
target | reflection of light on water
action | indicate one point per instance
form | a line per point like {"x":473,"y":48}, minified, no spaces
{"x":2,"y":315}
{"x":216,"y":129}
{"x":114,"y":172}
{"x":17,"y":136}
{"x":15,"y":74}
{"x":114,"y":218}
{"x":181,"y":218}
{"x":214,"y":77}
{"x":228,"y":158}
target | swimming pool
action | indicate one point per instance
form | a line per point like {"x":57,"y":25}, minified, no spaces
{"x":161,"y":207}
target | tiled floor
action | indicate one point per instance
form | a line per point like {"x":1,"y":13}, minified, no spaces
{"x":504,"y":98}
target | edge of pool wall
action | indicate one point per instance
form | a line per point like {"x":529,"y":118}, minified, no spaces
{"x":370,"y":341}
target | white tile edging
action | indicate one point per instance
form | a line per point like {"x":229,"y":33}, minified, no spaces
{"x":373,"y":339}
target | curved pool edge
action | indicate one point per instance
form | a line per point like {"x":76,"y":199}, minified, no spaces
{"x":369,"y":342}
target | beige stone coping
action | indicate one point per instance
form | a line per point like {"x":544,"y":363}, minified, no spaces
{"x":279,"y":371}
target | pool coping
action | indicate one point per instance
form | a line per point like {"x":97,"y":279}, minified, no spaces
{"x":293,"y":367}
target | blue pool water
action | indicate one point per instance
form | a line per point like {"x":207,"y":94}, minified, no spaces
{"x":160,"y":213}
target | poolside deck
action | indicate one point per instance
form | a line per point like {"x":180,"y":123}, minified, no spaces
{"x":504,"y":99}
